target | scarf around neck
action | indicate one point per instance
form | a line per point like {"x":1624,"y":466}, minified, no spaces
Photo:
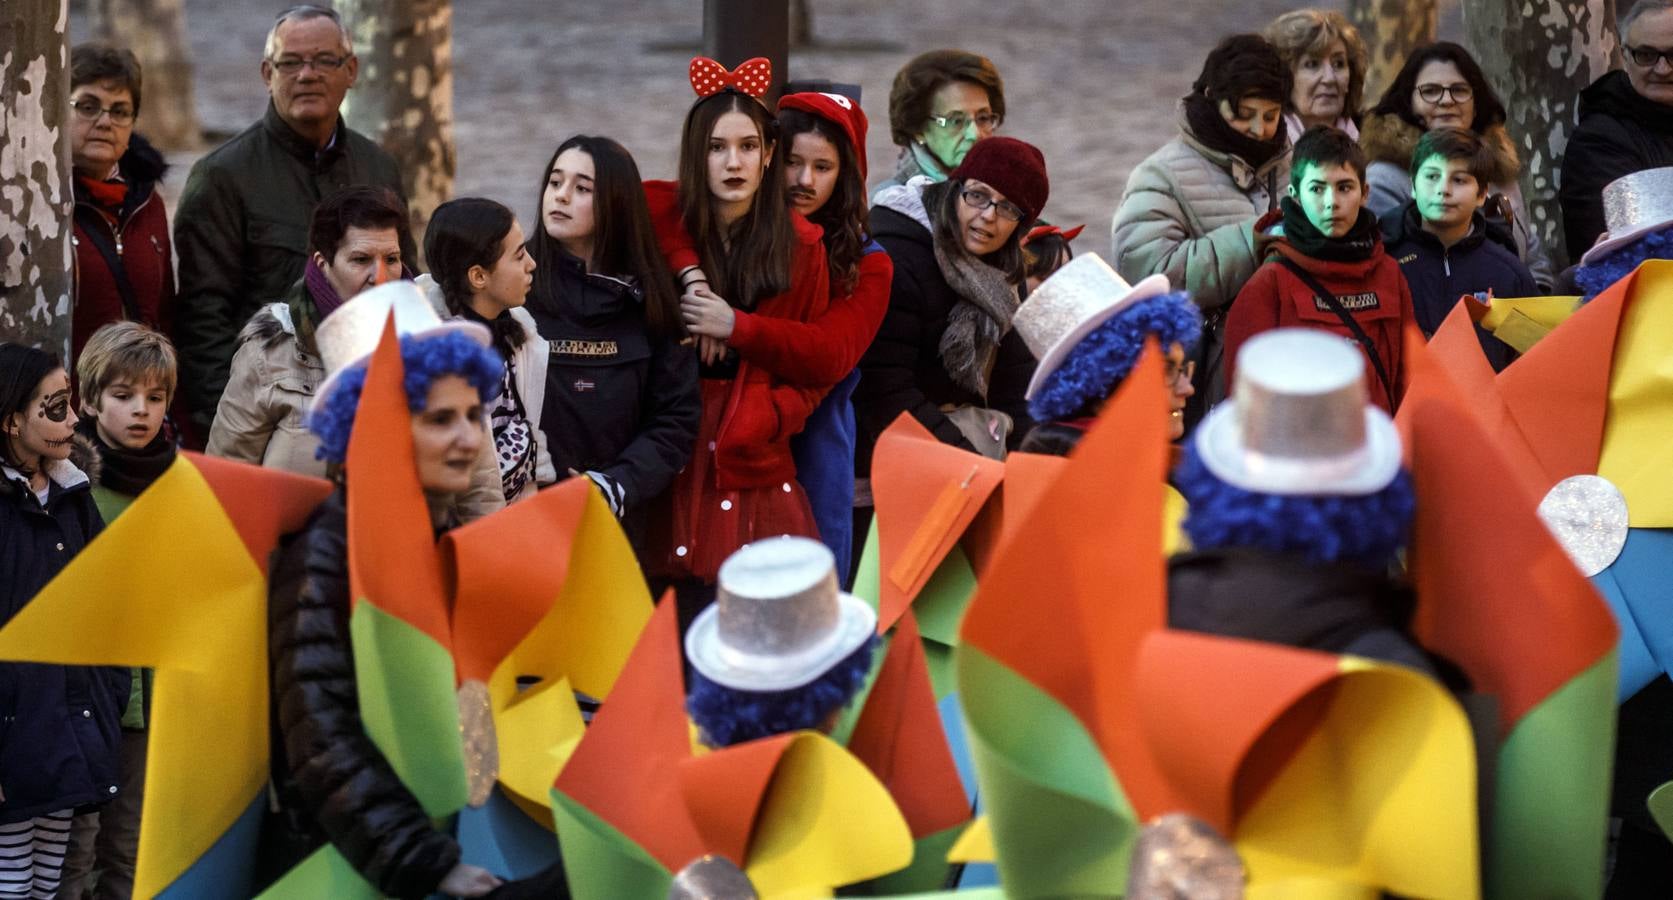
{"x":1356,"y":246}
{"x":325,"y":296}
{"x":1202,"y":116}
{"x":129,"y":471}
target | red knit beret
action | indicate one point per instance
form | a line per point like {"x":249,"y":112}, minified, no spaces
{"x":1014,"y":168}
{"x":843,"y":112}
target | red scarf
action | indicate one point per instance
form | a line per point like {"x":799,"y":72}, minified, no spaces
{"x":107,"y":194}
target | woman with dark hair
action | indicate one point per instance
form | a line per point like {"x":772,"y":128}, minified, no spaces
{"x":1442,"y":86}
{"x":745,"y":255}
{"x":941,"y":104}
{"x":1190,"y":208}
{"x":620,"y":399}
{"x":946,"y":352}
{"x":482,"y":272}
{"x":60,"y":726}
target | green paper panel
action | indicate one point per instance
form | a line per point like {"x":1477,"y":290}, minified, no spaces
{"x":867,"y":575}
{"x":849,"y":715}
{"x":927,"y":872}
{"x":600,"y":861}
{"x":991,"y":893}
{"x":325,"y":873}
{"x":940,"y":605}
{"x":943,"y":675}
{"x":1551,"y":800}
{"x":1661,"y":808}
{"x":1061,"y":824}
{"x":407,"y":702}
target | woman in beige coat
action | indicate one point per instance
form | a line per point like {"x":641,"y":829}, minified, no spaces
{"x":1190,"y":208}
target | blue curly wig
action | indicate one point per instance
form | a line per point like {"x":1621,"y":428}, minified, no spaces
{"x":1595,"y":278}
{"x":1368,"y":529}
{"x":727,"y":716}
{"x":1104,"y":357}
{"x":424,"y":360}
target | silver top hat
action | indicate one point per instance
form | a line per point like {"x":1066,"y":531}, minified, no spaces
{"x":1298,"y":421}
{"x":1633,"y":206}
{"x":353,"y":330}
{"x":1066,"y":307}
{"x":778,"y":621}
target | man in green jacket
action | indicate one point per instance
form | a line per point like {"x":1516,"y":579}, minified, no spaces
{"x":241,"y":230}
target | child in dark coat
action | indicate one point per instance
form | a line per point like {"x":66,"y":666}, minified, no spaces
{"x":1441,"y":238}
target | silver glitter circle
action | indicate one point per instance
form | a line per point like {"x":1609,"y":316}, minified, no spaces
{"x":1589,"y":517}
{"x":711,"y":878}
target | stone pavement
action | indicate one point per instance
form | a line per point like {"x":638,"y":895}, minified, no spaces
{"x":1092,"y":83}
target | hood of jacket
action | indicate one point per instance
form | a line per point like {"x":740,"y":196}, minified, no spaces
{"x":1613,"y":95}
{"x":907,"y":200}
{"x":1388,"y":138}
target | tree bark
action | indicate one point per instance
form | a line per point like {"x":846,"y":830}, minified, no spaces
{"x":403,"y":98}
{"x":1539,"y":63}
{"x":155,"y":30}
{"x":35,"y":196}
{"x":1391,"y":28}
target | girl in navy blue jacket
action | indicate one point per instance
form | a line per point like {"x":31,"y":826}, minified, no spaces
{"x":59,"y":725}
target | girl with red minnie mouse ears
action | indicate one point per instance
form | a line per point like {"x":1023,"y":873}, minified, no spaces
{"x":744,"y":258}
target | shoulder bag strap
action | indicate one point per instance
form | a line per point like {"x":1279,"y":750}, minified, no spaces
{"x":93,"y":226}
{"x":1348,"y":320}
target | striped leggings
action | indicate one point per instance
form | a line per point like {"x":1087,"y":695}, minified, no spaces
{"x":32,"y":856}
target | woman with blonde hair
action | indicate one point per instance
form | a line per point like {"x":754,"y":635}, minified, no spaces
{"x":1327,"y":61}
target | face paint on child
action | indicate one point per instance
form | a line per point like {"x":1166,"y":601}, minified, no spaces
{"x":56,"y":407}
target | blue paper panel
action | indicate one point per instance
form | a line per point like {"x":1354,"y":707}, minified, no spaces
{"x":501,"y":838}
{"x":1639,"y":591}
{"x":226,"y":869}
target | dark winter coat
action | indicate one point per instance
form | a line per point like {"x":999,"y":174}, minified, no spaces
{"x":325,"y":765}
{"x":139,"y":242}
{"x":1281,"y":599}
{"x":903,"y":371}
{"x":1438,"y":275}
{"x":619,"y":400}
{"x":1620,"y":132}
{"x":241,"y":233}
{"x":60,"y":726}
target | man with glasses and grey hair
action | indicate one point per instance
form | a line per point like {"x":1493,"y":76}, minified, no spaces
{"x":241,"y":229}
{"x":1626,"y":121}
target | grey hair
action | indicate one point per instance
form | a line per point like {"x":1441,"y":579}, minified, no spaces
{"x":1638,"y":9}
{"x":303,"y":13}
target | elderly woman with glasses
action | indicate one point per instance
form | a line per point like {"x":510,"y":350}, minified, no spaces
{"x":124,"y":261}
{"x":1441,"y":86}
{"x":942,"y":103}
{"x":946,"y":352}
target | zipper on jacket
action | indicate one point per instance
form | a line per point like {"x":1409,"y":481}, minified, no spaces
{"x":1446,"y":262}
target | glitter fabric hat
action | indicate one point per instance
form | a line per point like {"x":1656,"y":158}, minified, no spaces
{"x":778,"y":621}
{"x":351,"y":332}
{"x":1066,"y":307}
{"x":1298,"y":422}
{"x":1633,"y":205}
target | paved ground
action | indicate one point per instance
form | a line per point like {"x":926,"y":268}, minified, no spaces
{"x":1092,"y":82}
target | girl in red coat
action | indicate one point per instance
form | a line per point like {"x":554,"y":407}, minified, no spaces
{"x":744,"y":257}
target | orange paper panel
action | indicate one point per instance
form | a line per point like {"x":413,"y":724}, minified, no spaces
{"x":262,"y":503}
{"x":724,"y":791}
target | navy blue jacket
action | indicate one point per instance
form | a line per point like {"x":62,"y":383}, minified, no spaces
{"x":59,"y":725}
{"x":1439,"y":275}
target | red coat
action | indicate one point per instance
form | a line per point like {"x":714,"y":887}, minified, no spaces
{"x":765,"y":407}
{"x":1373,"y":290}
{"x":141,"y":239}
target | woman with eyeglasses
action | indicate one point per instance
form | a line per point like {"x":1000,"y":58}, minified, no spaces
{"x":1442,"y":86}
{"x":941,"y":104}
{"x":124,"y":261}
{"x":946,"y":352}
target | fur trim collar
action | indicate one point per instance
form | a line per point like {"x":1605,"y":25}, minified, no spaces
{"x":1391,"y":139}
{"x":269,"y":325}
{"x":908,"y":200}
{"x":80,"y":470}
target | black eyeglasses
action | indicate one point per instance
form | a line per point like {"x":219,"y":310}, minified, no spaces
{"x":91,"y":110}
{"x":980,"y":200}
{"x":1649,"y":56}
{"x":958,"y":121}
{"x":1172,"y":371}
{"x":325,"y":62}
{"x":1432,"y":93}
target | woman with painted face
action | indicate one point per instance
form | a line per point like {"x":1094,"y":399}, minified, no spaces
{"x":744,"y":255}
{"x":1189,"y":209}
{"x":942,"y":102}
{"x":621,"y":401}
{"x":1327,"y":63}
{"x":482,"y":272}
{"x":946,"y":352}
{"x":60,"y":726}
{"x":1442,"y":86}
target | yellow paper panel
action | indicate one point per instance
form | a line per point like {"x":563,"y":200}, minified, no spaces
{"x":826,"y":822}
{"x":1173,"y":514}
{"x":975,"y":845}
{"x":1639,"y":428}
{"x":537,"y":733}
{"x":1547,"y":312}
{"x":1383,"y":794}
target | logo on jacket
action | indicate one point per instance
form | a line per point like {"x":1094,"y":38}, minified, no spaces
{"x":1350,"y":302}
{"x":584,"y":348}
{"x":583,"y":385}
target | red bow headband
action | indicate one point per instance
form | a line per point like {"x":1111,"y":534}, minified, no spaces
{"x":1040,"y":231}
{"x":752,"y":76}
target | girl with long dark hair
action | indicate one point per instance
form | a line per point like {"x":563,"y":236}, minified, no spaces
{"x":745,"y":256}
{"x":621,"y":401}
{"x":483,"y":272}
